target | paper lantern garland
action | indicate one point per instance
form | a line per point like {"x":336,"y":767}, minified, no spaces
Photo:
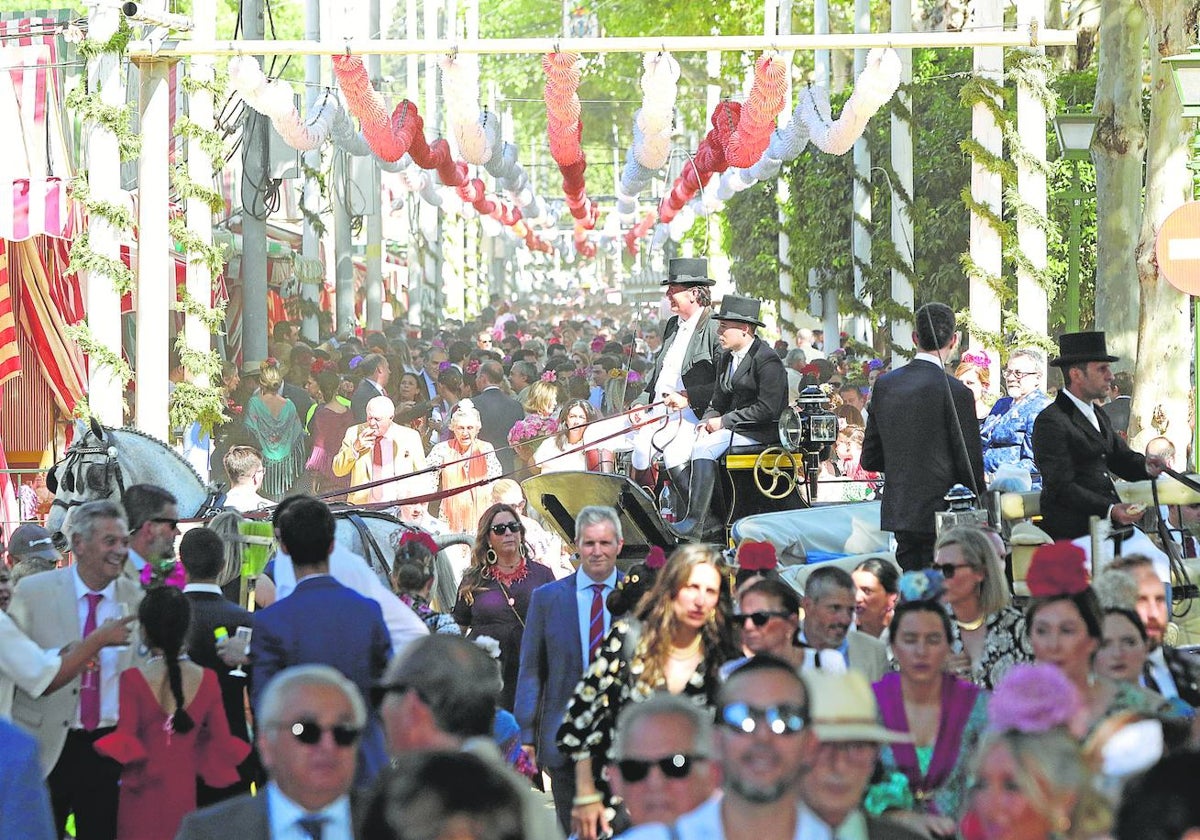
{"x":564,"y":132}
{"x":276,"y":100}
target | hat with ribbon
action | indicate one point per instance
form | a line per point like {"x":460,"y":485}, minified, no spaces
{"x":742,"y":309}
{"x":688,"y":271}
{"x":1076,"y":348}
{"x":844,"y":709}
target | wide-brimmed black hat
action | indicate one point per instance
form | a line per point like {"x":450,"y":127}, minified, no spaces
{"x":1074,"y":348}
{"x":688,"y":271}
{"x":738,"y":308}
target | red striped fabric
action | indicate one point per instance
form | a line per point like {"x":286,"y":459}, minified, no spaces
{"x":10,"y":357}
{"x":10,"y":513}
{"x":59,"y":359}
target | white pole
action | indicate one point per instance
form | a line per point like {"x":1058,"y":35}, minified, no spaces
{"x":310,"y":245}
{"x":431,"y":217}
{"x":1032,"y":307}
{"x":828,"y":306}
{"x":902,"y":166}
{"x":412,"y":88}
{"x":373,"y":200}
{"x":986,"y":186}
{"x":199,"y":215}
{"x":156,"y":269}
{"x":787,"y":310}
{"x":105,"y":74}
{"x":860,"y":235}
{"x":1019,"y":37}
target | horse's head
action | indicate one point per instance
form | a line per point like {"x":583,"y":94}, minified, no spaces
{"x":88,"y":472}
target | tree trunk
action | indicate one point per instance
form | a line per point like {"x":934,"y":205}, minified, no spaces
{"x":1164,"y":334}
{"x":1117,"y":151}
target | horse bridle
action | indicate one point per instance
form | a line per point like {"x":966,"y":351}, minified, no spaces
{"x":95,"y":477}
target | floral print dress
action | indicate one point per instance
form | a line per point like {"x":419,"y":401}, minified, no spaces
{"x":612,"y":680}
{"x":1006,"y":645}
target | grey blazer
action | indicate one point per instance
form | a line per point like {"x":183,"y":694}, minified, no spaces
{"x":244,"y":817}
{"x":44,"y":607}
{"x":867,"y":655}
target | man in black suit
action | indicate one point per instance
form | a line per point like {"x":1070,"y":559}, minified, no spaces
{"x":310,"y":720}
{"x":498,"y":412}
{"x":203,"y":556}
{"x":1076,"y":448}
{"x":751,"y":393}
{"x":923,"y":434}
{"x":375,"y":372}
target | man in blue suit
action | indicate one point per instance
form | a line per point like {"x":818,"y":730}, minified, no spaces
{"x":321,"y":621}
{"x":563,"y":628}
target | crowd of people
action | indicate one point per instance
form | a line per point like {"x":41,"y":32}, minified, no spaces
{"x":697,"y":695}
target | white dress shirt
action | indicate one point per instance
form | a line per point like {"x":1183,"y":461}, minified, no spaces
{"x":704,"y":823}
{"x":1088,"y":409}
{"x":22,"y":663}
{"x":670,"y":378}
{"x":110,"y":664}
{"x":285,"y":815}
{"x":350,"y":570}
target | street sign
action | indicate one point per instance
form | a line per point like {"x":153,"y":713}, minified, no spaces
{"x":1178,"y":248}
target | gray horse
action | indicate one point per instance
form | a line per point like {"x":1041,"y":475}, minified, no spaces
{"x":103,"y":461}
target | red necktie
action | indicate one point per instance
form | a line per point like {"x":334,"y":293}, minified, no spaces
{"x":89,"y":690}
{"x":596,"y":625}
{"x":377,"y":456}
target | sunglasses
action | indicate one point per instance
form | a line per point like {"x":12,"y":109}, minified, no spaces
{"x":174,"y":523}
{"x":676,"y":766}
{"x":309,"y":732}
{"x":947,"y":569}
{"x":784,"y":719}
{"x":760,"y":618}
{"x":511,"y":527}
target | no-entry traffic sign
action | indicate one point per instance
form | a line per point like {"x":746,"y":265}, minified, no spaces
{"x":1178,"y":248}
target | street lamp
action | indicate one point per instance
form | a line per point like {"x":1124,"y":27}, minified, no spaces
{"x":1075,"y":133}
{"x":1185,"y":70}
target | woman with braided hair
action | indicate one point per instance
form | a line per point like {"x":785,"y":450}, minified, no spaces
{"x":172,"y":726}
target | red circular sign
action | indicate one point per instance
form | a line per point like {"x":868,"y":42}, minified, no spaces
{"x":1178,"y":248}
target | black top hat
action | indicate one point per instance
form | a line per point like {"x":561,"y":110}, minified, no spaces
{"x":688,"y":271}
{"x":738,"y":308}
{"x":1075,"y":348}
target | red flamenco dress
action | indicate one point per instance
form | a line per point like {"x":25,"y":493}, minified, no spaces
{"x":158,"y":782}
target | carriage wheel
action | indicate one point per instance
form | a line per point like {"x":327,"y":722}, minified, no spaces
{"x":774,"y":481}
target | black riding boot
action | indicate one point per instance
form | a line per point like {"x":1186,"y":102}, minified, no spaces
{"x":700,"y":523}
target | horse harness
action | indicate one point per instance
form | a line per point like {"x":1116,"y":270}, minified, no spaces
{"x":79,"y":474}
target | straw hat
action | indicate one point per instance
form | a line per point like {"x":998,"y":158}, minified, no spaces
{"x":844,"y":709}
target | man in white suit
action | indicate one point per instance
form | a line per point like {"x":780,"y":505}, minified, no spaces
{"x":380,"y":449}
{"x":59,"y":608}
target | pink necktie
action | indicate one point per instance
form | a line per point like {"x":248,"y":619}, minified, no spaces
{"x":89,"y":690}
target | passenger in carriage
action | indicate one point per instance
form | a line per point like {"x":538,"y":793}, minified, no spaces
{"x":751,"y":392}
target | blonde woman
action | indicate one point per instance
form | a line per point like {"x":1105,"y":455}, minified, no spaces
{"x":278,"y":433}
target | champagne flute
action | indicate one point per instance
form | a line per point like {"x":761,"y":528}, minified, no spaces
{"x":241,"y":638}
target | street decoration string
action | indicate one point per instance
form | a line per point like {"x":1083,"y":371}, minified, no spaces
{"x":275,"y":99}
{"x":652,"y":124}
{"x":564,"y":131}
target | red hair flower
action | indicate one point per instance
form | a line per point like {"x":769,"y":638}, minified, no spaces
{"x":755,"y":556}
{"x":1059,"y":568}
{"x":421,"y":538}
{"x":656,"y":558}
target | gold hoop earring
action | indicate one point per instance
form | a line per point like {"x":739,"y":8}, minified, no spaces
{"x":490,"y":558}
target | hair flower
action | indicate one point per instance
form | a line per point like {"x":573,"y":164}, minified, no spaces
{"x":549,"y":376}
{"x":923,"y":585}
{"x":1057,"y":569}
{"x":756,"y":556}
{"x":270,"y":361}
{"x":420,"y":538}
{"x":634,"y":376}
{"x":597,"y":344}
{"x":445,"y":366}
{"x":617,"y":373}
{"x":473,"y":367}
{"x":979,"y":358}
{"x":656,"y":558}
{"x":1033,"y":698}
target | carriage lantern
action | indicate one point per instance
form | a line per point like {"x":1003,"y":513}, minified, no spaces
{"x":960,"y":510}
{"x":809,"y":428}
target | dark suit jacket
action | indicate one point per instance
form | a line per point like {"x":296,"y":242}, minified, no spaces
{"x":299,"y":398}
{"x":498,"y":413}
{"x":751,"y":404}
{"x":698,"y":371}
{"x":1075,"y":461}
{"x":321,"y":622}
{"x":913,"y":437}
{"x":1185,"y":668}
{"x":363,"y":394}
{"x":551,"y":666}
{"x":210,"y":611}
{"x":246,"y":818}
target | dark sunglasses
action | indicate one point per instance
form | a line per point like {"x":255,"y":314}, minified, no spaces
{"x":310,"y":732}
{"x":784,"y":719}
{"x":676,"y":766}
{"x":511,"y":527}
{"x":760,"y":618}
{"x":947,"y":569}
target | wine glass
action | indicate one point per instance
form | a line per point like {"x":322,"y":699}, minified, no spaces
{"x":241,"y":639}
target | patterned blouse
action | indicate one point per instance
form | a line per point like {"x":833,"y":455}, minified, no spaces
{"x":1006,"y":645}
{"x":1007,"y":432}
{"x":609,"y":683}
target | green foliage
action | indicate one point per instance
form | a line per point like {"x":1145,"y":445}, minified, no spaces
{"x":100,"y":354}
{"x":750,"y":236}
{"x":83,"y":258}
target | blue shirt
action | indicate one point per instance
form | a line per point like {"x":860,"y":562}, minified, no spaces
{"x":583,"y":597}
{"x":285,"y":815}
{"x":24,"y":801}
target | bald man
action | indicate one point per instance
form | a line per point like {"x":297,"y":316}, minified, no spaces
{"x":379,"y":449}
